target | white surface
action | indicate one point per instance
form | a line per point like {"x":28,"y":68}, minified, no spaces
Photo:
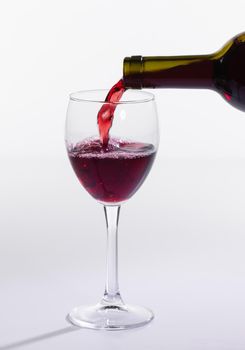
{"x":181,"y":237}
{"x":181,"y":253}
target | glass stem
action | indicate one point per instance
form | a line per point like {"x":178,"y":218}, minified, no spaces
{"x":112,"y":294}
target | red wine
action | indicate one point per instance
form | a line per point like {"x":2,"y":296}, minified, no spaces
{"x":115,"y":174}
{"x":222,"y":71}
{"x":106,"y":113}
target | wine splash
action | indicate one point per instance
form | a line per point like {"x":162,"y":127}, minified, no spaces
{"x":106,"y":112}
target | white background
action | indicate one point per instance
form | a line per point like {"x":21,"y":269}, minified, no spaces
{"x":181,"y":237}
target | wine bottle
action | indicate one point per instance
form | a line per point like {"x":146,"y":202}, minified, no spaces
{"x":222,"y":71}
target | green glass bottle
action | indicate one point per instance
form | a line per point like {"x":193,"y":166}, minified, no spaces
{"x":222,"y":71}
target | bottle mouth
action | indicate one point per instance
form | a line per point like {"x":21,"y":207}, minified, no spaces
{"x":132,"y":70}
{"x":99,"y":95}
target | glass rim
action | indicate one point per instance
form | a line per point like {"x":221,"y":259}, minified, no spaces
{"x":77,"y":97}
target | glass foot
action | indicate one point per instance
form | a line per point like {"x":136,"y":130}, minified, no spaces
{"x":110,"y":316}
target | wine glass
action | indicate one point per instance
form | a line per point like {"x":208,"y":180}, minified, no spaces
{"x":111,"y":175}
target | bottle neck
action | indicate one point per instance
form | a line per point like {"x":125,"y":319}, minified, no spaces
{"x":169,"y":72}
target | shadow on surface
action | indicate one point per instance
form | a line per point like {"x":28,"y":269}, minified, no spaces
{"x":38,"y":338}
